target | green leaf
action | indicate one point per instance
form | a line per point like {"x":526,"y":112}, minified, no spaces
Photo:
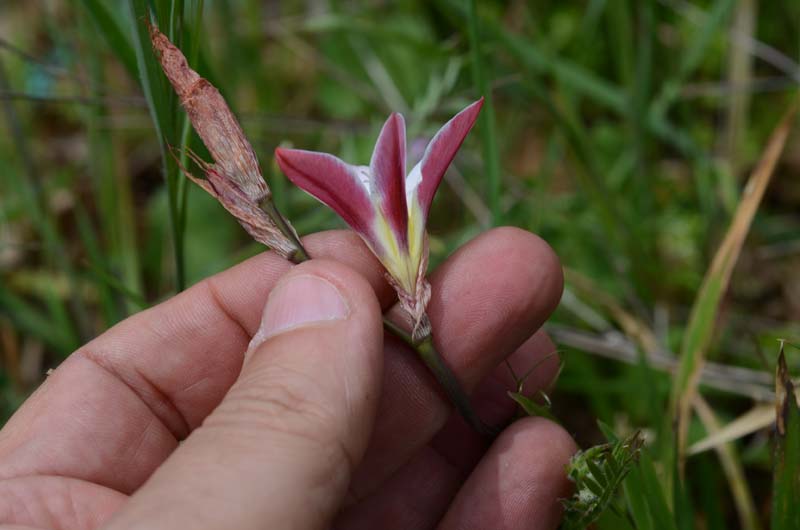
{"x":532,"y":408}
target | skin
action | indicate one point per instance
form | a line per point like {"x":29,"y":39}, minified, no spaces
{"x":329,"y":425}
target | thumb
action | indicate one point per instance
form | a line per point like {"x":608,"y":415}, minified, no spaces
{"x":279,"y":450}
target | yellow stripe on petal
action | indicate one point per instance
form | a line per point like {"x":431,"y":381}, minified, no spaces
{"x":416,"y":234}
{"x":396,"y":261}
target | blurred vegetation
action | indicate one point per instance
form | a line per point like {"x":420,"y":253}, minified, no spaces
{"x":621,"y":131}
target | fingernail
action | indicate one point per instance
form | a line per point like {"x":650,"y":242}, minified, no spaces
{"x":298,"y":301}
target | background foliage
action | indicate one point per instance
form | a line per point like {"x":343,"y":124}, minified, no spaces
{"x":621,"y":131}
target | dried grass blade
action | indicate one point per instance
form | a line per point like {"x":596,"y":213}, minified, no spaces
{"x":755,"y":419}
{"x":706,"y":305}
{"x":732,"y":467}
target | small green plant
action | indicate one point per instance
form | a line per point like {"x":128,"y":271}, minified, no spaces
{"x":598,"y":473}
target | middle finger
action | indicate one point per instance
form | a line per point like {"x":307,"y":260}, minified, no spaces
{"x":488,"y":298}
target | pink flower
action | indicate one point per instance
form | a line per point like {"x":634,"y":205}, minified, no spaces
{"x":385,"y":206}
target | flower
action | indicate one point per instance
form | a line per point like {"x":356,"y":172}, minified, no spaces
{"x":385,"y":206}
{"x":234,"y":179}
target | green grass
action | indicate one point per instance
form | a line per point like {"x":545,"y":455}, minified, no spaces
{"x":486,"y":121}
{"x":621,"y":131}
{"x":785,"y":514}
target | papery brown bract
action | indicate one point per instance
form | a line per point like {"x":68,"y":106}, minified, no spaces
{"x":234,"y":178}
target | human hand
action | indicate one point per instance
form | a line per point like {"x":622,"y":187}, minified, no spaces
{"x":323,"y":424}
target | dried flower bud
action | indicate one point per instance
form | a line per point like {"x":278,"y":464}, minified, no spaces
{"x":235,"y":178}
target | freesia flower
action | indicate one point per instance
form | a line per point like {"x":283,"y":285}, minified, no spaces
{"x":385,"y":206}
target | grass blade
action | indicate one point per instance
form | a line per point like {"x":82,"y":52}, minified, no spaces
{"x":697,"y":337}
{"x":32,"y":191}
{"x":755,"y":419}
{"x":692,"y":57}
{"x":116,"y":39}
{"x":158,"y":104}
{"x":577,"y":78}
{"x":644,"y":480}
{"x":732,"y":467}
{"x":637,"y":501}
{"x":570,"y":74}
{"x":740,"y":73}
{"x":486,"y":119}
{"x":786,"y":458}
{"x":169,"y":120}
{"x":115,"y":245}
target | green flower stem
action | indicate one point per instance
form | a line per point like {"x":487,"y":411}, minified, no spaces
{"x":446,"y":378}
{"x":451,"y":386}
{"x":424,"y":348}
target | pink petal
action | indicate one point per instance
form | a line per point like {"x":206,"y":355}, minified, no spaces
{"x":440,"y":153}
{"x":333,"y":182}
{"x":388,"y":166}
